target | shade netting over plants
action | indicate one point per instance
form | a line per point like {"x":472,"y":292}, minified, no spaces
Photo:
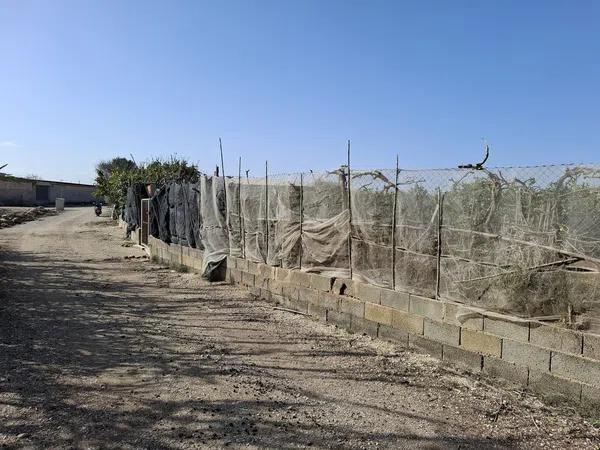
{"x":284,"y":196}
{"x":372,"y":203}
{"x":234,"y":218}
{"x":326,"y":223}
{"x":520,"y":240}
{"x":254,"y":212}
{"x":523,"y":240}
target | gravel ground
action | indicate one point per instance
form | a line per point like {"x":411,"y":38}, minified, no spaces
{"x":101,"y":348}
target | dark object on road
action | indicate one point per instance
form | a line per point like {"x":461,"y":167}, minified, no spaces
{"x":98,"y":209}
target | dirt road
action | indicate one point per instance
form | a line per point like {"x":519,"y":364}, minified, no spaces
{"x":99,"y":351}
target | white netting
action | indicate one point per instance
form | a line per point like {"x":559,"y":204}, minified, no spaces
{"x":284,"y":213}
{"x":234,"y":218}
{"x":519,"y":240}
{"x":253,"y":200}
{"x":523,"y":240}
{"x":372,"y":201}
{"x":416,"y":234}
{"x":213,"y":228}
{"x":325,"y":225}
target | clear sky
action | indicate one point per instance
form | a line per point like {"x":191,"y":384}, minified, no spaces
{"x":291,"y":81}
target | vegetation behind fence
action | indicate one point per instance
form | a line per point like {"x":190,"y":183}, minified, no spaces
{"x":519,"y":240}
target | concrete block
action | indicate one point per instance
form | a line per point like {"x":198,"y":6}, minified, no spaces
{"x":462,"y":316}
{"x":299,"y":278}
{"x":555,"y":338}
{"x":317,"y":311}
{"x":395,"y":299}
{"x":261,"y":282}
{"x":363,"y":326}
{"x":442,"y":332}
{"x":309,"y":295}
{"x":517,"y":331}
{"x":576,"y":368}
{"x":378,"y":313}
{"x":506,"y":370}
{"x":352,"y":306}
{"x":253,"y":268}
{"x":282,"y":274}
{"x":320,"y":282}
{"x":266,"y":271}
{"x":462,"y":358}
{"x":590,"y":400}
{"x":290,"y":291}
{"x":554,"y":389}
{"x":407,"y":322}
{"x":299,"y":305}
{"x":242,"y":264}
{"x":526,"y":354}
{"x":393,"y":335}
{"x":367,"y":292}
{"x":591,"y":346}
{"x":276,"y":286}
{"x":478,"y":342}
{"x":424,"y":345}
{"x":247,"y":279}
{"x":231,"y":262}
{"x":340,"y":319}
{"x":330,"y":302}
{"x":236,"y":275}
{"x":426,"y":307}
{"x":343,"y":286}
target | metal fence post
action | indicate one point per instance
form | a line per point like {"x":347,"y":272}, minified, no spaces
{"x":349,"y":213}
{"x":267,"y":211}
{"x":241,"y":225}
{"x":394,"y":219}
{"x":301,"y":215}
{"x":439,"y":243}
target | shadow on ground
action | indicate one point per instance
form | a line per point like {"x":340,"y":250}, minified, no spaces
{"x":89,"y":359}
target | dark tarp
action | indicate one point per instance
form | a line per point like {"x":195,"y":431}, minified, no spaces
{"x":173,"y":194}
{"x":159,"y":215}
{"x":135,"y":194}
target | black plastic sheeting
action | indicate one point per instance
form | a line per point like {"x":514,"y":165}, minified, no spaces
{"x":159,"y":215}
{"x":180,"y":215}
{"x":131,"y":212}
{"x":191,"y":200}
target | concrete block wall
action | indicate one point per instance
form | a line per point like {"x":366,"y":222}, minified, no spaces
{"x":556,"y":363}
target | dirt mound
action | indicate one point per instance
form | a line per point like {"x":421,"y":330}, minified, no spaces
{"x":11,"y":217}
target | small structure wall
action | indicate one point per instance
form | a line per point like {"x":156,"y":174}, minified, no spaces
{"x":558,"y":364}
{"x":22,"y":192}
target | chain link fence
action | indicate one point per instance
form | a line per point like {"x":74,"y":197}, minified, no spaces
{"x":521,"y":240}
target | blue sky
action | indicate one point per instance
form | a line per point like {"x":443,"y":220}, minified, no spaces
{"x":291,"y":81}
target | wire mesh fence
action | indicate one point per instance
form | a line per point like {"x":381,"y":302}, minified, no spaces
{"x":523,"y":240}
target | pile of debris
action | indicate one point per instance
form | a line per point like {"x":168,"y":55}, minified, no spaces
{"x":15,"y":216}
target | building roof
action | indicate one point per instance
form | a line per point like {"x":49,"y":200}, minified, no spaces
{"x":7,"y":177}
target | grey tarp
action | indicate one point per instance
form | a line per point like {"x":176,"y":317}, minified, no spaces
{"x":213,"y":228}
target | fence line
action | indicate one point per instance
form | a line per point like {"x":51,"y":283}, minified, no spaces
{"x":522,"y":240}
